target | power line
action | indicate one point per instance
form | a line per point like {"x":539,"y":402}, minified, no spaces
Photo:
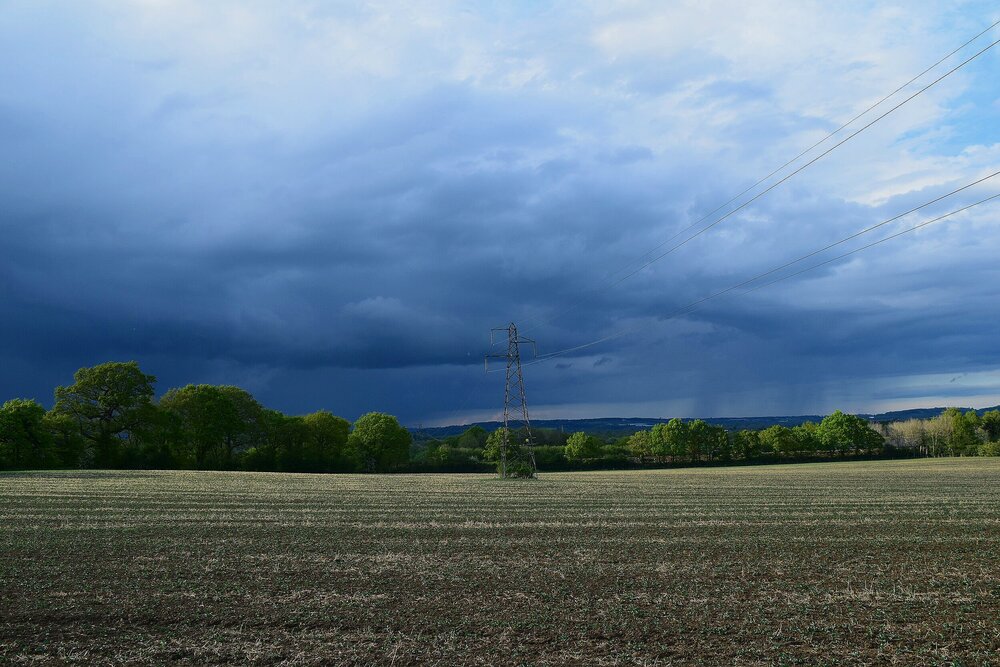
{"x":695,"y":304}
{"x":875,"y":243}
{"x":475,"y":391}
{"x":785,"y":178}
{"x":799,"y":169}
{"x":807,"y":150}
{"x":853,"y":236}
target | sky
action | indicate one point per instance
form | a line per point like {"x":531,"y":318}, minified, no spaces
{"x":331,"y":204}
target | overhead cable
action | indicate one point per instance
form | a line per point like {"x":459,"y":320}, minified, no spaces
{"x":695,"y":304}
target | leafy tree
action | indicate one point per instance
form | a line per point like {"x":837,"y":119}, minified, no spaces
{"x":25,"y":442}
{"x":717,"y":444}
{"x":379,"y":442}
{"x":109,"y":402}
{"x":845,"y":433}
{"x":723,"y":448}
{"x":909,"y":434}
{"x":215,"y":421}
{"x":248,"y":412}
{"x":67,"y":443}
{"x":160,"y":442}
{"x":778,"y":439}
{"x":326,"y":442}
{"x":581,"y":446}
{"x":965,"y":439}
{"x":473,"y":438}
{"x":698,"y":439}
{"x":517,"y":457}
{"x":202,"y":414}
{"x":747,"y":444}
{"x":807,"y":438}
{"x":495,"y":444}
{"x":291,"y":442}
{"x":314,"y":443}
{"x":640,"y":444}
{"x":938,"y":433}
{"x":991,"y":425}
{"x":671,"y":439}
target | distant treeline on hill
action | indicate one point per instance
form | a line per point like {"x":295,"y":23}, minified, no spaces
{"x":615,"y":427}
{"x":687,"y":442}
{"x":108,"y":418}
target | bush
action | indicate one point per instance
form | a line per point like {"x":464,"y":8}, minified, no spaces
{"x":550,"y":457}
{"x":989,"y":449}
{"x":520,"y":469}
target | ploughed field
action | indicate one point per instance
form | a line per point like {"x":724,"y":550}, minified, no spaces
{"x":893,"y":562}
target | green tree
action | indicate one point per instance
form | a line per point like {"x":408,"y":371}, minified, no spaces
{"x":722,"y":447}
{"x":473,"y":438}
{"x":200,"y":413}
{"x":807,"y":438}
{"x":248,"y":411}
{"x":160,"y":442}
{"x":290,"y":438}
{"x":991,"y":425}
{"x":518,"y":461}
{"x":778,"y":439}
{"x":670,"y":440}
{"x":700,"y":440}
{"x":379,"y":442}
{"x":747,"y":444}
{"x":965,"y":430}
{"x":326,"y":442}
{"x":215,"y":422}
{"x":640,"y":444}
{"x":714,"y":443}
{"x":25,"y":442}
{"x":990,"y":448}
{"x":109,"y":403}
{"x":844,"y":433}
{"x":581,"y":447}
{"x":67,"y":442}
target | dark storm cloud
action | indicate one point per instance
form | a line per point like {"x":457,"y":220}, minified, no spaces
{"x":337,"y":220}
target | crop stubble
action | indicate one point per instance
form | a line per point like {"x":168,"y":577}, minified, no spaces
{"x":840,"y":563}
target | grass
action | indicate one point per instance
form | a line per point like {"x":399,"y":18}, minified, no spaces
{"x":889,"y":562}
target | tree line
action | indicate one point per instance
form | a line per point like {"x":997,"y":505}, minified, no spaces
{"x":692,"y":442}
{"x":108,"y":418}
{"x":952,"y":433}
{"x":675,"y":442}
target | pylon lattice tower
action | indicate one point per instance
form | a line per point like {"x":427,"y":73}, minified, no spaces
{"x":515,"y":406}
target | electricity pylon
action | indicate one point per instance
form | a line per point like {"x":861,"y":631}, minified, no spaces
{"x":513,"y":397}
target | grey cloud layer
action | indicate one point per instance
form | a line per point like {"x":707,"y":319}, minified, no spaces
{"x":348,"y":245}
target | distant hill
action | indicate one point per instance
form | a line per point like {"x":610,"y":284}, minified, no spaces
{"x":619,"y":426}
{"x":919,"y":413}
